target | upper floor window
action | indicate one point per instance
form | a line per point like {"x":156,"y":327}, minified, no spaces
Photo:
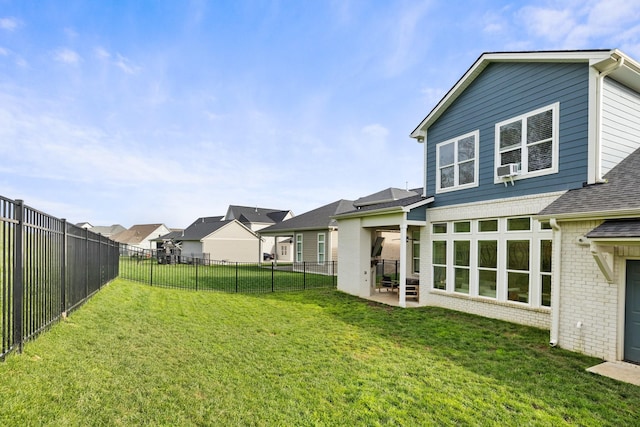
{"x":457,"y":163}
{"x":530,"y":141}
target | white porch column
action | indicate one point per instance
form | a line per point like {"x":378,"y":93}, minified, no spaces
{"x":402,"y":298}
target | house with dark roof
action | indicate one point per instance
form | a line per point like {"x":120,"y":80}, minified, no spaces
{"x":528,"y":208}
{"x":311,"y":237}
{"x":216,"y":239}
{"x":256,"y":219}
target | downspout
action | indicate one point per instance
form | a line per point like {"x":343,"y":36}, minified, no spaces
{"x":600,"y":108}
{"x":421,"y":138}
{"x":555,"y":280}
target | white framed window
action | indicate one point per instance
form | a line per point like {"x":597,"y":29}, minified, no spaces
{"x":283,"y":250}
{"x":299,"y":247}
{"x":457,"y":163}
{"x":415,"y":240}
{"x":439,"y":262}
{"x":321,"y":248}
{"x":530,"y":141}
{"x":504,"y":259}
{"x":545,"y":273}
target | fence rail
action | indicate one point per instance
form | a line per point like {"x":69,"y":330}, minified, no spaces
{"x":143,"y":265}
{"x":48,"y":267}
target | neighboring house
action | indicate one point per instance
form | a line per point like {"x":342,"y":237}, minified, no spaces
{"x":214,"y":239}
{"x":255,"y":219}
{"x":85,"y":225}
{"x":515,"y":133}
{"x":141,"y":236}
{"x":108,"y":230}
{"x":314,"y":234}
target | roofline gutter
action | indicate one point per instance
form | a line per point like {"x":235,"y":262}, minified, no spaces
{"x":598,"y":215}
{"x":382,"y":211}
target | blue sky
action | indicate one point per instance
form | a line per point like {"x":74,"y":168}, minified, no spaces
{"x":138,"y":112}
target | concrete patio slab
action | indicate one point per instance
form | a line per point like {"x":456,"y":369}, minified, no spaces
{"x":621,"y":371}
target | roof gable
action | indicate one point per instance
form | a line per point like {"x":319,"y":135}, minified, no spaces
{"x":247,"y":214}
{"x":137,"y":233}
{"x":600,"y":59}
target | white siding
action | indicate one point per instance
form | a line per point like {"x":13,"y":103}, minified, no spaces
{"x":620,"y":123}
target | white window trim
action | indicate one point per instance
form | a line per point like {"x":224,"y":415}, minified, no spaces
{"x":523,"y":145}
{"x":534,"y":236}
{"x":456,"y":186}
{"x":300,"y":254}
{"x":324,"y":253}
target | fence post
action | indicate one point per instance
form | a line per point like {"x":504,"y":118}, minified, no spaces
{"x":86,"y":264}
{"x":304,"y":274}
{"x":144,"y":257}
{"x":18,"y":275}
{"x":272,"y":278}
{"x":196,"y":263}
{"x":236,"y":277}
{"x":63,"y":272}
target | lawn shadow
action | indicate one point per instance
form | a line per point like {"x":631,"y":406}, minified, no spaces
{"x":514,"y":355}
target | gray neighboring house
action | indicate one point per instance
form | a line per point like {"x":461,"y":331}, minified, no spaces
{"x":313,"y":235}
{"x":596,"y":260}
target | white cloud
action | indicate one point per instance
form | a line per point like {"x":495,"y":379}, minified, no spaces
{"x":4,"y":52}
{"x":66,"y":56}
{"x":403,"y":36}
{"x":101,"y":53}
{"x":9,"y":24}
{"x":575,"y":24}
{"x":125,"y":65}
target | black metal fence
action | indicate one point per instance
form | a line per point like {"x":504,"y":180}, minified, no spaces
{"x":144,"y":265}
{"x":48,"y":267}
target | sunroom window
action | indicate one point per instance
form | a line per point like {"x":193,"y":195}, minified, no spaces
{"x":530,"y":141}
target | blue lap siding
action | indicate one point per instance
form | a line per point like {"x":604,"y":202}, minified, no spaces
{"x":503,"y":91}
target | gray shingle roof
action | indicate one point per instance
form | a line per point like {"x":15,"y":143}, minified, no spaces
{"x":319,"y":218}
{"x":247,"y":214}
{"x":201,"y":229}
{"x":616,"y":228}
{"x":621,"y":193}
{"x":403,"y":198}
{"x":387,"y":195}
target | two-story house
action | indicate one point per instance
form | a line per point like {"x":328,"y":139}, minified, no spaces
{"x":514,"y":134}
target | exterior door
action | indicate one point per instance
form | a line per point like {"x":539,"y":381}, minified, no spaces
{"x":632,"y":313}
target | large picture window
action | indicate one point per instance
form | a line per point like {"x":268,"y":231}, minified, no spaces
{"x":457,"y":161}
{"x":503,"y":259}
{"x":531,"y":141}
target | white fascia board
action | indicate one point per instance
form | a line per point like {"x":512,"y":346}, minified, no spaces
{"x":487,"y":58}
{"x":376,"y":212}
{"x":418,"y":204}
{"x":599,"y":215}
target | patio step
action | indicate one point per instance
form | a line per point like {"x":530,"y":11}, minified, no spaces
{"x":412,"y":291}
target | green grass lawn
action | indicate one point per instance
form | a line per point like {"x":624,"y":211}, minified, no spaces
{"x":136,"y":354}
{"x":229,"y":277}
